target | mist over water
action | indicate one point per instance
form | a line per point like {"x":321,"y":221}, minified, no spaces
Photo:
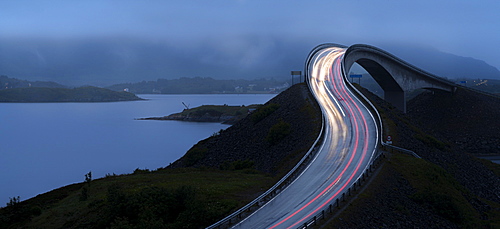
{"x":44,"y":146}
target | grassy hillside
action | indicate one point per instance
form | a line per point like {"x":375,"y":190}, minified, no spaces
{"x":173,"y":198}
{"x":81,"y":94}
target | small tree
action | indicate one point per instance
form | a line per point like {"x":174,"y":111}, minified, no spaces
{"x":88,"y":178}
{"x":86,"y":188}
{"x":14,"y":200}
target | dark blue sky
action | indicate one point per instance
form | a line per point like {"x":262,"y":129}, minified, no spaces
{"x":227,"y":38}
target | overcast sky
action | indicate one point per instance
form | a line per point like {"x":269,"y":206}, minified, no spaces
{"x":244,"y":32}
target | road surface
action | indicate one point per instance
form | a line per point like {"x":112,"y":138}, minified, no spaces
{"x":350,"y":140}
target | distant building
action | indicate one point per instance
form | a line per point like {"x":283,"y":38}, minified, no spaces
{"x":251,"y":86}
{"x":126,"y":90}
{"x":238,"y":89}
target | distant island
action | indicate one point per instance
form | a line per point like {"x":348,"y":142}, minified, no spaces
{"x":80,"y":94}
{"x":210,"y":113}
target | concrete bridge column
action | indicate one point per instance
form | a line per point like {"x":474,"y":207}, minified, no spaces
{"x":396,"y":98}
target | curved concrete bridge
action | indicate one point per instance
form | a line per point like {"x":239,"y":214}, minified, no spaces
{"x":395,"y":76}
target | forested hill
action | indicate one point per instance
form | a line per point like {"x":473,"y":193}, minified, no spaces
{"x":9,"y":83}
{"x":81,"y":94}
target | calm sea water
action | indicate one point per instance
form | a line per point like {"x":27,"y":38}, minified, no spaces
{"x":44,"y":146}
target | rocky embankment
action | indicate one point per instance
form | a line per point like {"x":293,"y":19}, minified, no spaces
{"x":432,"y":128}
{"x":250,"y":141}
{"x":469,"y":120}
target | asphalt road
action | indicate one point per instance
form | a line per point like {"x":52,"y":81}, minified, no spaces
{"x":349,"y":146}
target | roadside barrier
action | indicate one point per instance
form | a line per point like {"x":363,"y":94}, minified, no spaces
{"x":276,"y":189}
{"x":336,"y":204}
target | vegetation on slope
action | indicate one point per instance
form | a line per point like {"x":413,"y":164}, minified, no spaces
{"x":166,"y":198}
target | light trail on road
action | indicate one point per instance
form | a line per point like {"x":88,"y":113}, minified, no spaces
{"x":349,"y":144}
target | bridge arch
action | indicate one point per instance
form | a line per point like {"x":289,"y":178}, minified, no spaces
{"x":395,"y":76}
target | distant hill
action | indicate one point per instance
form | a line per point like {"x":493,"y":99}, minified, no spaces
{"x":202,"y":85}
{"x":444,"y":64}
{"x":81,"y":94}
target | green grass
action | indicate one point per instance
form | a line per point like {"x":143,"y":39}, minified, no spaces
{"x":212,"y":194}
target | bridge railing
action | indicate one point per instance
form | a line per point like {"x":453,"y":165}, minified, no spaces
{"x":400,"y":61}
{"x":368,"y":105}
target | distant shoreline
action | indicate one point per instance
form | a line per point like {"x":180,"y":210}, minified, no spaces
{"x":57,"y":95}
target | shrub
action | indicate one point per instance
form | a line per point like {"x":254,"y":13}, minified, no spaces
{"x":263,"y":112}
{"x":278,"y":132}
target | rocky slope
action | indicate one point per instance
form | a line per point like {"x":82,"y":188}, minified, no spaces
{"x":429,"y":129}
{"x":247,"y":142}
{"x":468,"y":119}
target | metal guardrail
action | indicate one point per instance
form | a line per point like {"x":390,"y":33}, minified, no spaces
{"x":330,"y":209}
{"x":402,"y":150}
{"x":277,"y":188}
